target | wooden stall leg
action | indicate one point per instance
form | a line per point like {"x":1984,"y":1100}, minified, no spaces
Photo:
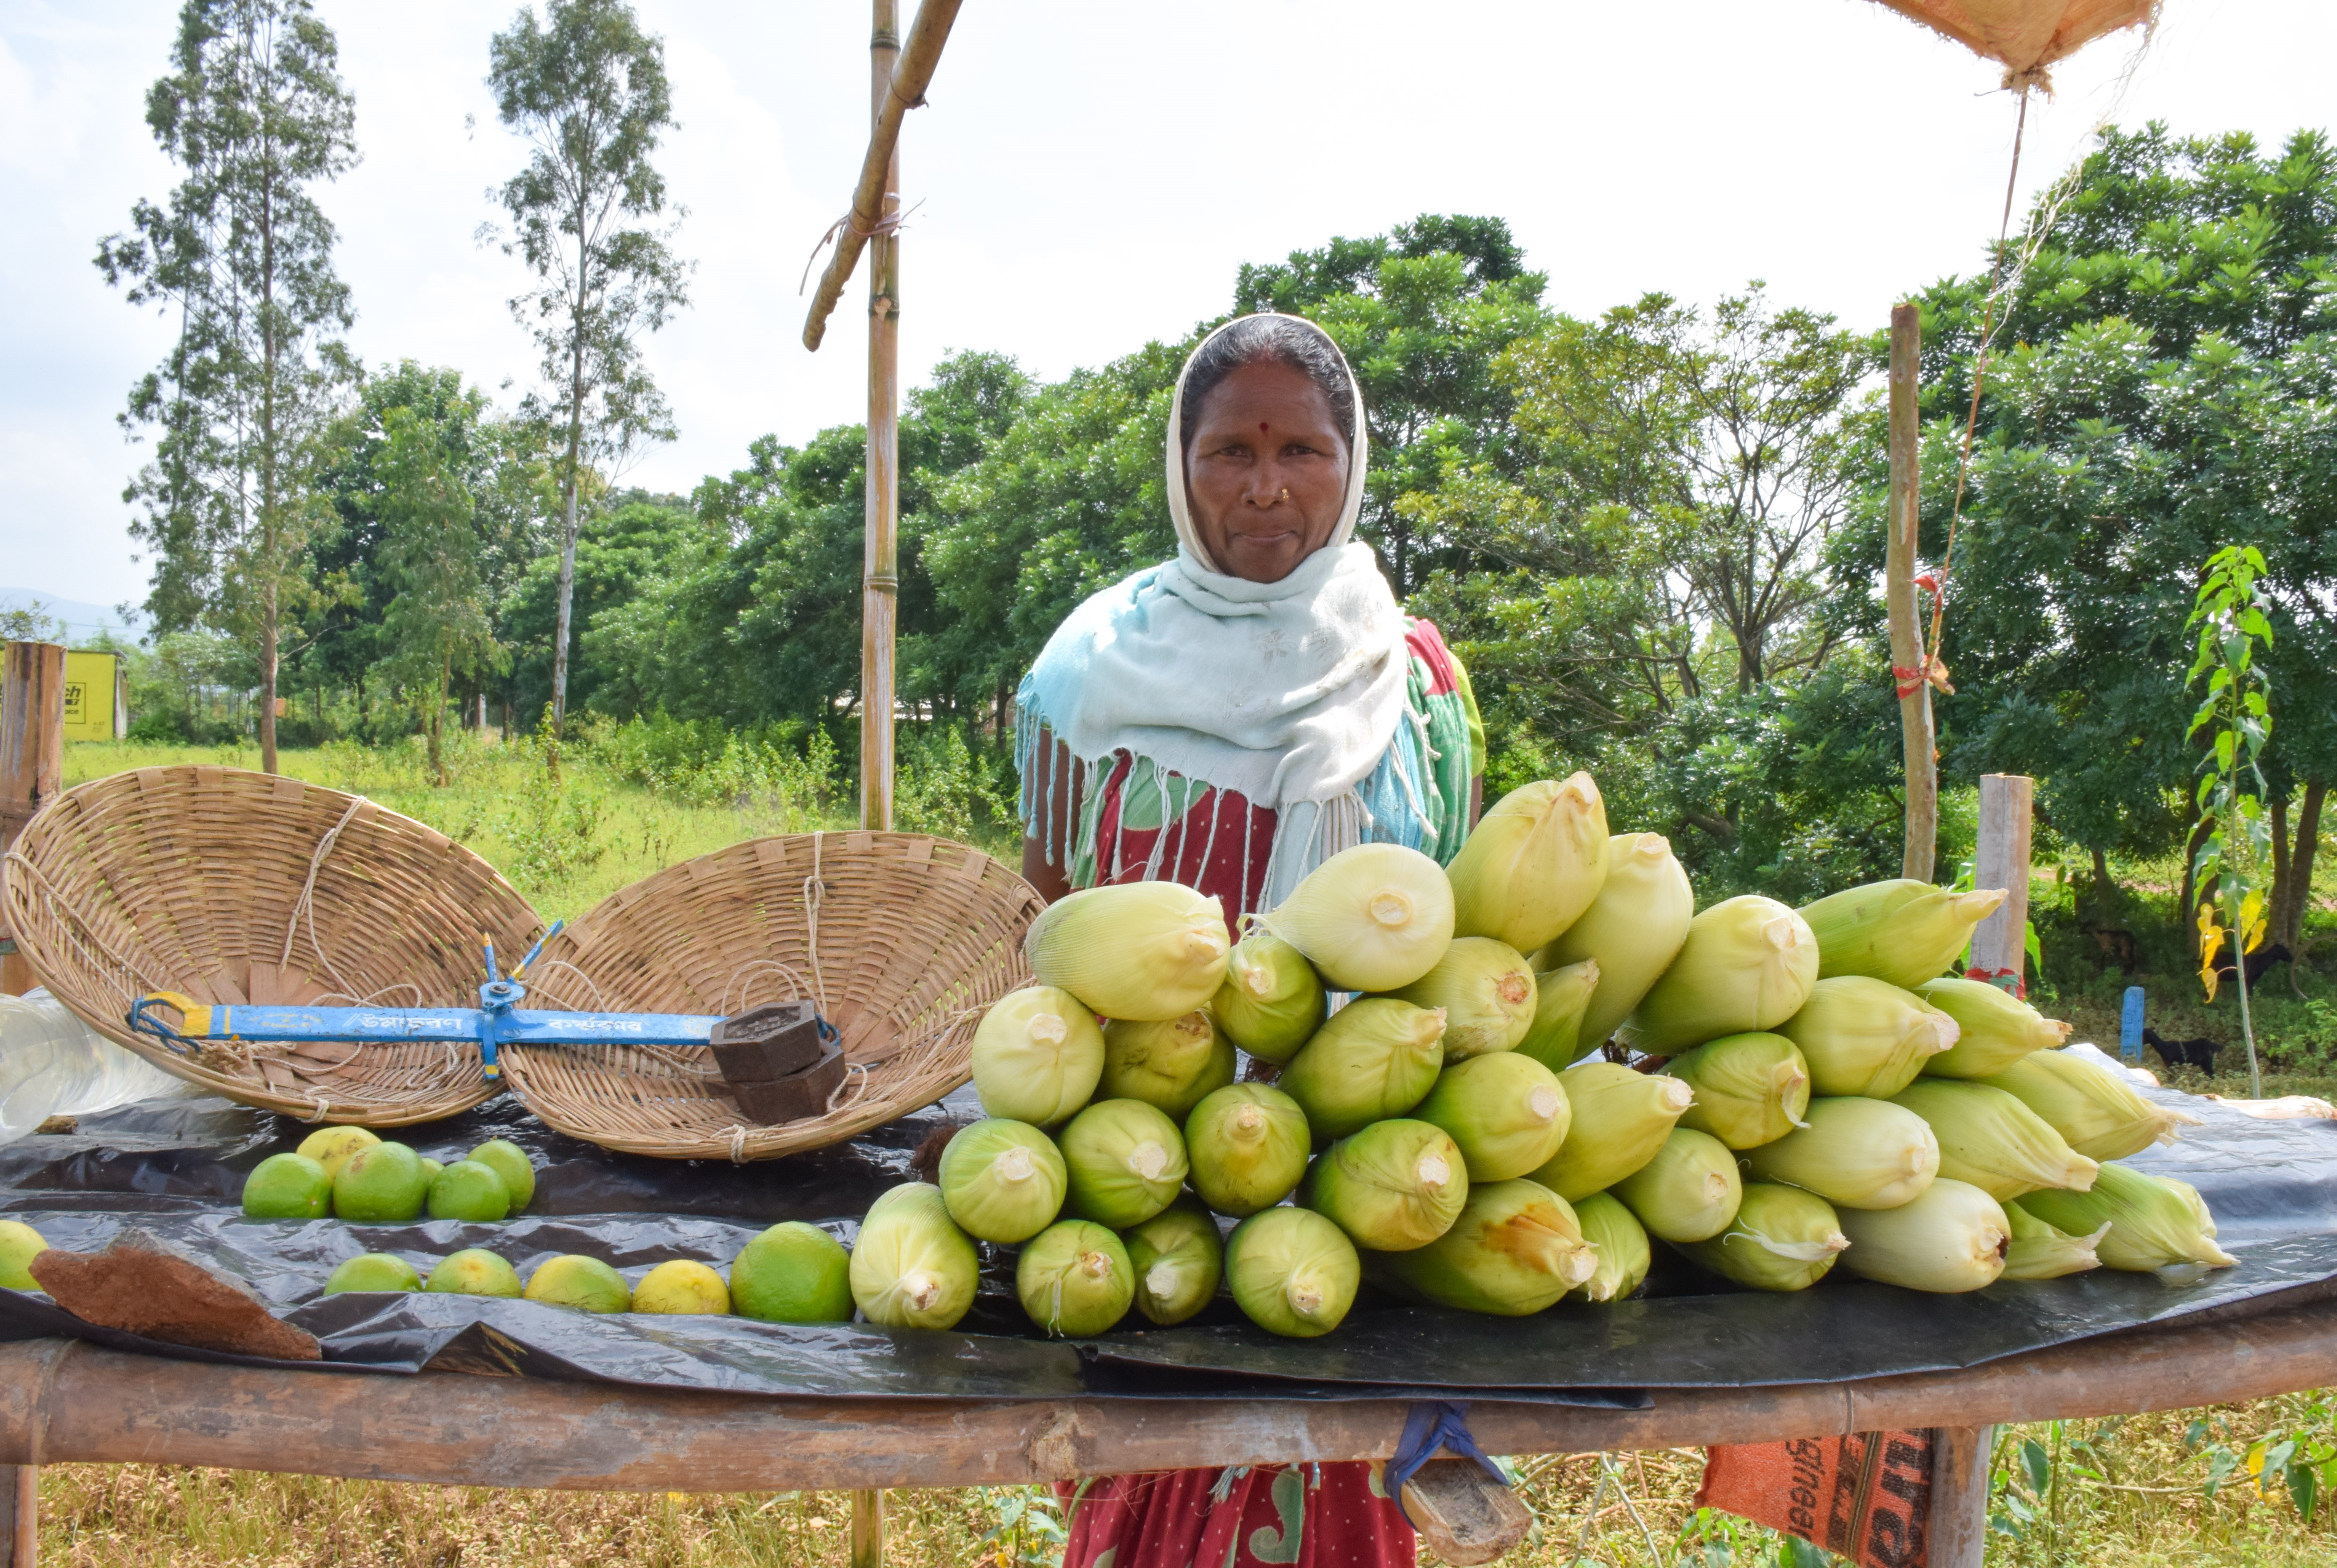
{"x":868,"y":1530}
{"x":20,"y":1516}
{"x":31,"y":761}
{"x":1958,"y":1527}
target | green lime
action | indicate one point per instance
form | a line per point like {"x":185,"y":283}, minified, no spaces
{"x":793,"y":1273}
{"x":466,"y":1189}
{"x":373,"y":1271}
{"x":473,"y":1271}
{"x":19,"y":1245}
{"x":288,"y":1187}
{"x":511,"y":1163}
{"x":681,"y":1287}
{"x":328,"y":1146}
{"x":587,"y":1284}
{"x":380,"y":1185}
{"x":430,"y":1169}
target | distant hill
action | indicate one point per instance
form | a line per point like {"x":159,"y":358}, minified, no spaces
{"x":82,"y":619}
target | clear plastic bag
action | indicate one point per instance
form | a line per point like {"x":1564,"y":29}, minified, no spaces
{"x":53,"y":1064}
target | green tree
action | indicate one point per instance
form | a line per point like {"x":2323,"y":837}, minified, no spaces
{"x":255,"y":114}
{"x":586,"y":88}
{"x":2166,"y":391}
{"x":436,"y":623}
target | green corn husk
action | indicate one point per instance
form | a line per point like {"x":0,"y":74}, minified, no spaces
{"x":1951,"y":1239}
{"x":1634,"y":929}
{"x":1783,"y":1239}
{"x":1866,"y":1036}
{"x":1561,"y":997}
{"x":1995,"y":1028}
{"x":1750,"y":1089}
{"x":1036,"y":1056}
{"x":1075,"y":1279}
{"x":1992,"y":1140}
{"x":912,"y":1266}
{"x":1516,"y":1249}
{"x":1124,"y":1160}
{"x":2155,"y":1222}
{"x":1620,"y":1244}
{"x":2101,"y":1116}
{"x":1178,"y":1258}
{"x":1901,"y":931}
{"x":1487,"y":991}
{"x":1506,"y":1111}
{"x":1374,"y":1059}
{"x":2042,"y":1252}
{"x":1394,"y":1186}
{"x":1169,"y":1065}
{"x":1248,"y":1146}
{"x":1376,"y":917}
{"x":1533,"y":864}
{"x":1620,"y":1118}
{"x":1688,"y":1191}
{"x":1855,"y":1153}
{"x":1747,"y":965}
{"x":1272,"y":1001}
{"x":1292,"y":1271}
{"x":1002,"y":1180}
{"x":1146,"y":951}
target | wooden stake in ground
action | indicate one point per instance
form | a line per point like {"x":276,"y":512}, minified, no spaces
{"x":880,"y":582}
{"x":1999,"y":948}
{"x":32,"y":760}
{"x":1902,"y":515}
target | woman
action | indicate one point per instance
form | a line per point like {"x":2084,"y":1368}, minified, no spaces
{"x":1229,"y":720}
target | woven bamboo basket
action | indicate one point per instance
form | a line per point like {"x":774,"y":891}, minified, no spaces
{"x":233,"y":886}
{"x":901,"y":939}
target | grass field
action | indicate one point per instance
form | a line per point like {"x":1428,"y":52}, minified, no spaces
{"x":2203,"y":1487}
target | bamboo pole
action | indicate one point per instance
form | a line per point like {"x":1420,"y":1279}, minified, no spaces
{"x":31,"y":761}
{"x":880,"y":584}
{"x":1902,"y":516}
{"x":878,"y":172}
{"x":1958,"y":1516}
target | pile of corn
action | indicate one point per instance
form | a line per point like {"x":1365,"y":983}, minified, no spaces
{"x":1822,"y":1096}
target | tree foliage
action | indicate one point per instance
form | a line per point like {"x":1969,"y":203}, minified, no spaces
{"x":255,"y":115}
{"x":586,"y":89}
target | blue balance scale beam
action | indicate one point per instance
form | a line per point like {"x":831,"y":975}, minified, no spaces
{"x":498,"y":1020}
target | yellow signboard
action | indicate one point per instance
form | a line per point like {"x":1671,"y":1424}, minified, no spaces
{"x":90,"y":709}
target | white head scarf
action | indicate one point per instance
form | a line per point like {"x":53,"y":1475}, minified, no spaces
{"x":1288,"y":693}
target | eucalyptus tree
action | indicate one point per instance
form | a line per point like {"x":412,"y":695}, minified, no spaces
{"x":255,"y":114}
{"x":585,"y":88}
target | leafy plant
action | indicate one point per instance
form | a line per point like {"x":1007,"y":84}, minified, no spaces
{"x":2236,"y":716}
{"x":1029,"y":1530}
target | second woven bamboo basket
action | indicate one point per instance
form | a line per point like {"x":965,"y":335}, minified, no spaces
{"x":901,"y":939}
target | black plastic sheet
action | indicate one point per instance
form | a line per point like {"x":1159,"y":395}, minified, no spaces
{"x":177,"y":1168}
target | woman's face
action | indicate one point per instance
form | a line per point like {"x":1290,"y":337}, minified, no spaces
{"x":1266,"y":473}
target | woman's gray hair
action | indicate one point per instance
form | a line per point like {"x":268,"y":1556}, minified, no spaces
{"x":1269,"y":339}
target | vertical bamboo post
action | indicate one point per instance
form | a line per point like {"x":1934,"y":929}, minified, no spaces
{"x":1902,"y":514}
{"x":1958,"y":1533}
{"x":2000,"y":946}
{"x":868,"y":1530}
{"x":32,"y":760}
{"x":880,"y":578}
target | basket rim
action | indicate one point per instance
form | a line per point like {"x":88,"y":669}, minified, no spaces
{"x":45,"y":835}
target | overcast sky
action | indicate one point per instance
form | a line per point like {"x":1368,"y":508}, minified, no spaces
{"x":1091,"y":175}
